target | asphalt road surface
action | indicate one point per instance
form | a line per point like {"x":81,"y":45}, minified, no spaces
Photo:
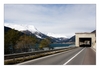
{"x":78,"y":56}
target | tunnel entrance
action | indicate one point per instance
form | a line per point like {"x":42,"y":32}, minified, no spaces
{"x":85,"y":42}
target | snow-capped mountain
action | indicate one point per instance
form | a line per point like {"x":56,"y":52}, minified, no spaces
{"x":31,"y":30}
{"x":27,"y":29}
{"x":56,"y":35}
{"x":22,"y":27}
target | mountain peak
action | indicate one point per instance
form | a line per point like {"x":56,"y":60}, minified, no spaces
{"x":21,"y":27}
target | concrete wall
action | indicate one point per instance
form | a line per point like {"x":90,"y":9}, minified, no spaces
{"x":84,"y":35}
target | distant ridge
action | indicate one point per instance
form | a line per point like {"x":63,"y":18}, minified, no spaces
{"x":72,"y":39}
{"x":93,"y":31}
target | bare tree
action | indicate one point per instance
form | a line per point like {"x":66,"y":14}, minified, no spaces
{"x":25,"y":42}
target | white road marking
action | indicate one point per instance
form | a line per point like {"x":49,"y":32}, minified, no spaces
{"x":42,"y":58}
{"x":93,"y":49}
{"x":73,"y":57}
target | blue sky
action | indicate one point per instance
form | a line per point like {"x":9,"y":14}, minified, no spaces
{"x":63,"y":19}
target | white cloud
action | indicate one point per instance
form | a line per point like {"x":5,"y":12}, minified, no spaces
{"x":60,"y":19}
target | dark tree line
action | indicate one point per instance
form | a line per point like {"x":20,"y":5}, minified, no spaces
{"x":10,"y":39}
{"x":15,"y":42}
{"x":45,"y":43}
{"x":25,"y":42}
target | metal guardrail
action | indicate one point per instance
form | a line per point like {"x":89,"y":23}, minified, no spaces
{"x":17,"y":55}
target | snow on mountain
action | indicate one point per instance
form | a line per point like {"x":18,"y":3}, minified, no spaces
{"x":22,"y":27}
{"x":30,"y":29}
{"x":27,"y":29}
{"x":56,"y":35}
{"x":39,"y":36}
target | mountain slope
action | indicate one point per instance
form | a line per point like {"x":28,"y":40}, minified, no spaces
{"x":94,"y":31}
{"x":72,"y":39}
{"x":31,"y":30}
{"x":22,"y":27}
{"x":56,"y":35}
{"x":6,"y":29}
{"x":27,"y":29}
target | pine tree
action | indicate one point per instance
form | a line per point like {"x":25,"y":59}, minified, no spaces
{"x":10,"y":39}
{"x":45,"y":43}
{"x":25,"y":42}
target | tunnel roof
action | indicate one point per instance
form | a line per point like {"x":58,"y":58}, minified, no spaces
{"x":84,"y":33}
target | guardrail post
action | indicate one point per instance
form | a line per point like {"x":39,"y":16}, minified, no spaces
{"x":23,"y":58}
{"x":14,"y":59}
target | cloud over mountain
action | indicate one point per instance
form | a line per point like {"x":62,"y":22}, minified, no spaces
{"x":64,"y":19}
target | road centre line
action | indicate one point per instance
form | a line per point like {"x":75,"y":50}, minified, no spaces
{"x":73,"y":57}
{"x":43,"y":57}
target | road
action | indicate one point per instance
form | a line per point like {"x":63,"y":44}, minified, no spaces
{"x":78,"y":56}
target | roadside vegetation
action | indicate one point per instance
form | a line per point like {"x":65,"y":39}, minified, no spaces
{"x":45,"y":43}
{"x":29,"y":57}
{"x":17,"y":42}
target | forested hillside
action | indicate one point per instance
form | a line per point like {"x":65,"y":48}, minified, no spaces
{"x":16,"y":41}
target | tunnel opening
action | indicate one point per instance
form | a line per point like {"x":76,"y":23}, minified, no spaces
{"x":85,"y":42}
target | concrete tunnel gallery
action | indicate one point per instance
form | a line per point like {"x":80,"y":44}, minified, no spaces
{"x":85,"y":39}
